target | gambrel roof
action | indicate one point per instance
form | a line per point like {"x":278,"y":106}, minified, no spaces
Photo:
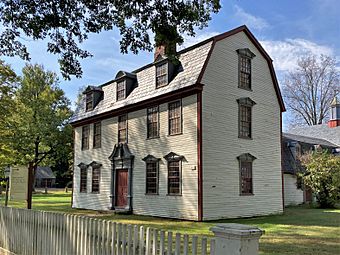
{"x":193,"y":61}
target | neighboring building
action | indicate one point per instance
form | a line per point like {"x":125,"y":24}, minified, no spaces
{"x":329,"y":131}
{"x":199,"y":140}
{"x":293,"y":146}
{"x":44,"y":177}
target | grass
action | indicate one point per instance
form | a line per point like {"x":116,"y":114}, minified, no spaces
{"x":299,"y":231}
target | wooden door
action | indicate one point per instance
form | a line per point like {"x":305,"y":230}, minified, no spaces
{"x":121,"y":188}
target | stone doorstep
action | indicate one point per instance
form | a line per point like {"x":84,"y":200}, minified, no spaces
{"x":5,"y":252}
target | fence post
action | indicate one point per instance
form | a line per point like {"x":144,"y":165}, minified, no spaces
{"x":236,"y":239}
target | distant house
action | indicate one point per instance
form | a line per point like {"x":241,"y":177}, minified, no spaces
{"x":329,"y":131}
{"x":44,"y":177}
{"x":293,"y":146}
{"x":197,"y":139}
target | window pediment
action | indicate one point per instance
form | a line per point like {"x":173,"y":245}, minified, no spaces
{"x":246,"y":157}
{"x":172,"y":156}
{"x":82,"y":165}
{"x":95,"y":164}
{"x":151,"y":158}
{"x":246,"y":101}
{"x":246,"y":52}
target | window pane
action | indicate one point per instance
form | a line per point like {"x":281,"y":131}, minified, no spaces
{"x":83,"y":179}
{"x":89,"y":102}
{"x":151,"y":178}
{"x":95,"y":179}
{"x":161,"y":75}
{"x":121,"y":90}
{"x":97,"y":135}
{"x":245,"y":72}
{"x":246,"y":178}
{"x":245,"y":121}
{"x":85,"y":137}
{"x":122,"y":129}
{"x":152,"y":122}
{"x":175,"y":118}
{"x":174,"y":177}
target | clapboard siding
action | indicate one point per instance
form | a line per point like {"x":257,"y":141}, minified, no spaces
{"x":293,"y":195}
{"x":185,"y":206}
{"x":221,"y":144}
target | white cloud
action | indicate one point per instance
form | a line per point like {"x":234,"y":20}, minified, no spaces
{"x":286,"y":53}
{"x":200,"y":36}
{"x":253,"y":22}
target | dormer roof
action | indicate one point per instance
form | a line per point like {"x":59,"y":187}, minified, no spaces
{"x":123,"y":74}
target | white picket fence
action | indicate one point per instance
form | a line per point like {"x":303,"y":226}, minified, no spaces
{"x":29,"y":232}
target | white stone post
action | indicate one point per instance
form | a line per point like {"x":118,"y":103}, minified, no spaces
{"x":236,"y":239}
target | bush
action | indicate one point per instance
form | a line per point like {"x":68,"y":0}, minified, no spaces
{"x":322,"y":175}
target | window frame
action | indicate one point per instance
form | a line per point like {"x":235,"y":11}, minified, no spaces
{"x":83,"y":180}
{"x":123,"y":83}
{"x":248,"y":104}
{"x":172,"y":119}
{"x":179,"y":162}
{"x":245,"y":55}
{"x":83,"y":137}
{"x":89,"y":99}
{"x":166,"y":74}
{"x":148,"y":136}
{"x":246,"y":159}
{"x":95,"y":136}
{"x":147,"y":163}
{"x":126,"y":128}
{"x":96,"y":168}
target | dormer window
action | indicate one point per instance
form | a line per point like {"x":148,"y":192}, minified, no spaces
{"x":244,"y":66}
{"x":89,"y":102}
{"x":162,"y":75}
{"x":93,"y":95}
{"x":121,"y":90}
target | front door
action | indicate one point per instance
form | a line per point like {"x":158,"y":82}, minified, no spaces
{"x":121,"y":188}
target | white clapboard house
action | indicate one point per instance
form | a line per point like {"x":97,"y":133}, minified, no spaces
{"x":199,"y":139}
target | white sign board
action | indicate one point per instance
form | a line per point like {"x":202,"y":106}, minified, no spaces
{"x":18,"y":182}
{"x":7,"y":171}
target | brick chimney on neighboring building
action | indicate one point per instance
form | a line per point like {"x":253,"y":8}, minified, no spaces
{"x":335,"y":113}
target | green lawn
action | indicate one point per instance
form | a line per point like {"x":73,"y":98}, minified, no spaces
{"x":300,"y":230}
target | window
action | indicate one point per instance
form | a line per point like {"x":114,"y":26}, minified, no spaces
{"x":152,"y":122}
{"x":95,"y":179}
{"x":85,"y":138}
{"x":245,"y":117}
{"x":175,"y":118}
{"x":151,"y":177}
{"x":83,"y":178}
{"x":97,"y":135}
{"x":121,"y":90}
{"x":246,"y":173}
{"x":174,"y":173}
{"x":162,"y":75}
{"x":89,"y":101}
{"x":174,"y":178}
{"x":245,"y":57}
{"x":122,"y":128}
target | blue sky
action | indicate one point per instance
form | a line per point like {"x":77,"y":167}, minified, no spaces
{"x":287,"y":30}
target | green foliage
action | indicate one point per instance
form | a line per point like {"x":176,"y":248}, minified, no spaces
{"x":35,"y":128}
{"x":68,"y":23}
{"x":323,"y":177}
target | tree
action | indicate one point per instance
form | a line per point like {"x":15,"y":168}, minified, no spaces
{"x":37,"y":128}
{"x":66,"y":24}
{"x":309,"y":90}
{"x":8,"y":83}
{"x":322,"y":175}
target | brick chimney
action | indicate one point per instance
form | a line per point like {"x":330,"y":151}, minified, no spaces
{"x":335,"y":113}
{"x":162,"y":49}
